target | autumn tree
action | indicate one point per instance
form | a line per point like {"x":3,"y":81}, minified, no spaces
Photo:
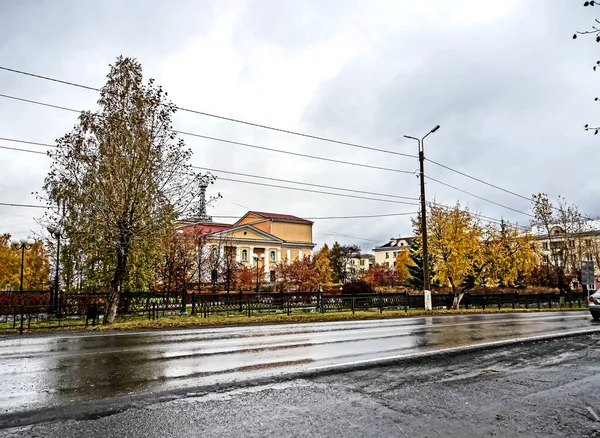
{"x":322,"y":266}
{"x":403,"y":262}
{"x":299,"y":275}
{"x":509,"y":254}
{"x":565,"y":230}
{"x":36,"y":267}
{"x":339,"y":257}
{"x":454,"y":243}
{"x":122,"y":174}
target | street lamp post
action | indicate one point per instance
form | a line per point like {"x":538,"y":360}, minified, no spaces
{"x":55,"y":232}
{"x":22,"y":244}
{"x":426,"y":285}
{"x":256,"y":258}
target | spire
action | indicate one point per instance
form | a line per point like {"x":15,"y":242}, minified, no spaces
{"x":202,"y":214}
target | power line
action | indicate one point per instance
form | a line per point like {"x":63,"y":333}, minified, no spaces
{"x":298,"y":189}
{"x":479,"y":197}
{"x":479,"y":180}
{"x":302,"y":183}
{"x":23,"y":150}
{"x":35,"y":143}
{"x":316,"y":191}
{"x":258,"y":176}
{"x":229,"y":119}
{"x":347,"y":235}
{"x":9,"y":204}
{"x":368,"y":216}
{"x":363,"y":216}
{"x":276,"y":186}
{"x":297,"y":154}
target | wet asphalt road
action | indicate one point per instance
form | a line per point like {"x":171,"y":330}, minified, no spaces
{"x":536,"y":389}
{"x":42,"y":371}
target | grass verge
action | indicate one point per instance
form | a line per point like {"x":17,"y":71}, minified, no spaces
{"x":240,"y":319}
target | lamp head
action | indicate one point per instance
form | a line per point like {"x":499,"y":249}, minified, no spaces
{"x":435,"y":128}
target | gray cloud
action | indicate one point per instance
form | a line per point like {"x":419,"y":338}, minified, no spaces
{"x":509,"y":87}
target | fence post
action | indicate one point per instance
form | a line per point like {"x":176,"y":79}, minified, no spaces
{"x":21,"y":326}
{"x":540,"y":301}
{"x":406,"y":296}
{"x":483,"y":302}
{"x":550,"y":301}
{"x":513,"y":300}
{"x":353,"y":304}
{"x":193,"y":303}
{"x":380,"y":302}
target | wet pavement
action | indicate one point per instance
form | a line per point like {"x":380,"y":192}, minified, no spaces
{"x":41,"y":371}
{"x":536,"y":389}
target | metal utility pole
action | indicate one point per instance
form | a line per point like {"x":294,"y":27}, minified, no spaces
{"x":426,"y":283}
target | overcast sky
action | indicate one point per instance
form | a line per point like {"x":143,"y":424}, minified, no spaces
{"x":506,"y":82}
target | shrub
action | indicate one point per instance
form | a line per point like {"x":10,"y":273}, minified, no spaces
{"x":357,"y":287}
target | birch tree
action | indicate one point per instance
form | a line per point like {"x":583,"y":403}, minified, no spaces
{"x":122,"y":173}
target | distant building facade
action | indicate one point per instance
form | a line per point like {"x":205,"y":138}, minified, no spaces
{"x":385,"y":255}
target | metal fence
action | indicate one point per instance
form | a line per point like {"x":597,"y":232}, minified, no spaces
{"x":33,"y":310}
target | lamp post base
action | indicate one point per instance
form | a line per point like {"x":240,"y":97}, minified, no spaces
{"x":427,"y":297}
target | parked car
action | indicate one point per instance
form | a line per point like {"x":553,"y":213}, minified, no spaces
{"x":594,"y":305}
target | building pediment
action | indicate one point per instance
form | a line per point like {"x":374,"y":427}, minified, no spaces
{"x":246,"y":232}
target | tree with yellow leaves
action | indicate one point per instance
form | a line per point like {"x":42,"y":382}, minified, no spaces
{"x":508,"y":254}
{"x":454,"y":245}
{"x":322,"y":266}
{"x":36,"y":268}
{"x":403,"y":261}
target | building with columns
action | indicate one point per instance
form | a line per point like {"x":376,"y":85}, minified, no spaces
{"x":272,"y":237}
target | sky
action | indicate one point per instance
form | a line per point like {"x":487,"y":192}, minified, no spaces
{"x":506,"y":82}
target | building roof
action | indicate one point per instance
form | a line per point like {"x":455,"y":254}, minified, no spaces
{"x":206,"y":227}
{"x":280,"y":217}
{"x":395,"y":243}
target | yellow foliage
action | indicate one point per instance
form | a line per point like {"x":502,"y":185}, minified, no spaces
{"x":454,"y":243}
{"x":403,"y":260}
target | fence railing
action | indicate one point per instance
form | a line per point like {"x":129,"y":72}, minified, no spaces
{"x":34,"y":309}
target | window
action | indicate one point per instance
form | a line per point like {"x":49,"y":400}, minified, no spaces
{"x":573,"y":258}
{"x":588,"y":242}
{"x":588,"y":257}
{"x":272,"y":258}
{"x":387,"y":255}
{"x":215,"y":253}
{"x":387,"y":264}
{"x":272,"y":276}
{"x":571,"y":244}
{"x":395,"y":254}
{"x":394,"y":264}
{"x":245,"y":255}
{"x":352,"y":261}
{"x":546,"y":259}
{"x":545,"y":246}
{"x":362,"y":262}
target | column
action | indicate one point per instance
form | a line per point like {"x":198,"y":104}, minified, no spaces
{"x":251,"y":257}
{"x":238,"y":255}
{"x":267,"y":261}
{"x":299,"y":254}
{"x":279,"y":255}
{"x":289,"y":256}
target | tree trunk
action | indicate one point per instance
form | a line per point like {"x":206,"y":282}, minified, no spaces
{"x":457,"y":298}
{"x":115,"y":288}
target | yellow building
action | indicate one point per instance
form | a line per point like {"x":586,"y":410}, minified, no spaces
{"x":266,"y":238}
